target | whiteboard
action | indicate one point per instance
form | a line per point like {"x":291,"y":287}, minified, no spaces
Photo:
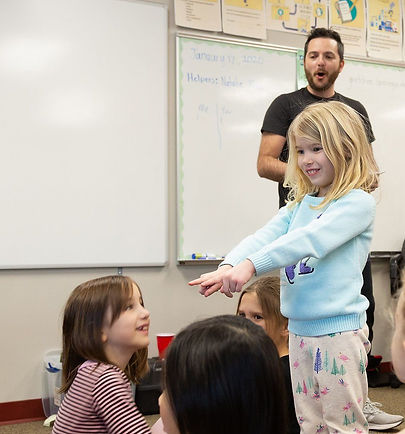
{"x":223,"y":91}
{"x":83,"y":176}
{"x":381,"y":89}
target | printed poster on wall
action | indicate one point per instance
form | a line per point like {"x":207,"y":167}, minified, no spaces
{"x":198,"y":14}
{"x":385,"y":29}
{"x":244,"y":18}
{"x":296,"y":16}
{"x":348,"y":18}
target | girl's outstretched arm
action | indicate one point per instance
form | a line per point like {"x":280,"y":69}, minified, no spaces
{"x":211,"y":282}
{"x":226,"y":279}
{"x":234,"y":279}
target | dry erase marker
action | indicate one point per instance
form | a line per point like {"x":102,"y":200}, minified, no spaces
{"x":198,"y":256}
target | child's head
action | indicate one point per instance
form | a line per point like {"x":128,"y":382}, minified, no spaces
{"x":105,"y":321}
{"x":260,"y":303}
{"x":398,"y":340}
{"x":336,"y":130}
{"x":222,"y":376}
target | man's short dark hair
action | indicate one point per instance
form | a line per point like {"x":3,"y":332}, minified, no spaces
{"x":322,"y":32}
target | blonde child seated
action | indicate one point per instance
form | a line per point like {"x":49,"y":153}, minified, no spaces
{"x":260,"y":303}
{"x":222,"y":376}
{"x":105,"y":340}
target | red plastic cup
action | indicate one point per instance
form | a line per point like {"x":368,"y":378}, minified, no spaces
{"x":163,"y":341}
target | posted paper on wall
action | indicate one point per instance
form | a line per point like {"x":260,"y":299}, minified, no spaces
{"x":198,"y":14}
{"x":244,"y":18}
{"x":384,"y":29}
{"x":296,"y":16}
{"x":348,"y":18}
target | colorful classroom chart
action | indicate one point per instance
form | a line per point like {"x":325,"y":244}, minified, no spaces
{"x":347,"y":17}
{"x":385,"y":29}
{"x":198,"y":14}
{"x":244,"y":18}
{"x":297,"y":16}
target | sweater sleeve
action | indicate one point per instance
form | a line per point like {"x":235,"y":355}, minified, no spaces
{"x":116,"y":407}
{"x":343,"y":220}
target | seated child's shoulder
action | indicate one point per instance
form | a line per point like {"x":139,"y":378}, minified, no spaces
{"x":101,"y":370}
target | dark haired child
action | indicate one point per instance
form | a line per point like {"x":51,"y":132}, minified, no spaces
{"x":223,"y":376}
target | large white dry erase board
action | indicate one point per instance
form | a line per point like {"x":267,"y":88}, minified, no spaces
{"x":83,"y":177}
{"x":381,"y":89}
{"x":223,"y":91}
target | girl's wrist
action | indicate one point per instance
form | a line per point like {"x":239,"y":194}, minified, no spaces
{"x":250,"y":266}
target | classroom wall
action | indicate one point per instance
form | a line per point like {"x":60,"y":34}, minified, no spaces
{"x":32,"y":300}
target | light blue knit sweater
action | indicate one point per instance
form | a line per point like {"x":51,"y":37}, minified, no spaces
{"x":321,"y":254}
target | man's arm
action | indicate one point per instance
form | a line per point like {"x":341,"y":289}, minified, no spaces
{"x":268,"y":164}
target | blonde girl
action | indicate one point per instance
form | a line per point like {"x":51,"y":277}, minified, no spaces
{"x":105,"y":340}
{"x":320,"y":241}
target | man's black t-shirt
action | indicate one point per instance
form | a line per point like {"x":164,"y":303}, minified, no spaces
{"x":286,"y":107}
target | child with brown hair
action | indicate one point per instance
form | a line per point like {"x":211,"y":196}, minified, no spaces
{"x":105,"y":340}
{"x":260,"y":303}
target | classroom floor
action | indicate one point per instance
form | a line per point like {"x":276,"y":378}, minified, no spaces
{"x":393,"y":401}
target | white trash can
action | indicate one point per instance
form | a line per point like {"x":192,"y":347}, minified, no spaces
{"x":52,"y":381}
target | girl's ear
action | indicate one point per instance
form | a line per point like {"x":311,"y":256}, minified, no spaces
{"x":104,"y":337}
{"x":284,"y":330}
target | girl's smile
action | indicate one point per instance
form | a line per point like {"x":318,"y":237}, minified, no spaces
{"x":313,"y":161}
{"x":128,"y":333}
{"x":312,"y":172}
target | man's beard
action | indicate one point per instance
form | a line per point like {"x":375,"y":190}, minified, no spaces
{"x":331,"y":80}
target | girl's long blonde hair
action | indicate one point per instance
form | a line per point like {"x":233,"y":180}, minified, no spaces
{"x":340,"y":130}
